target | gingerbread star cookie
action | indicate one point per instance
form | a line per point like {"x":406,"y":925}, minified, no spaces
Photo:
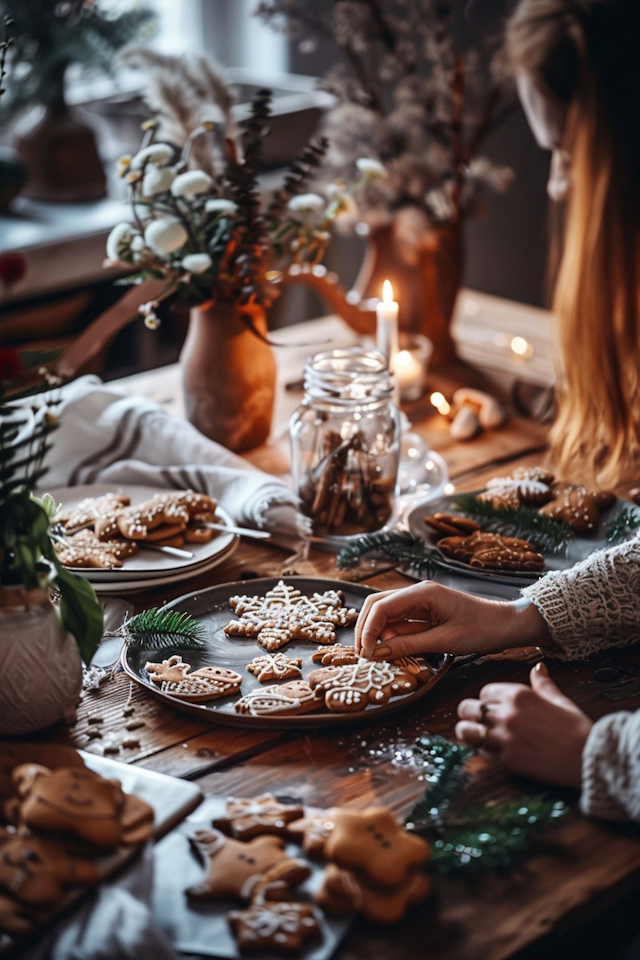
{"x":275,"y":666}
{"x":284,"y":614}
{"x":207,"y":683}
{"x":353,"y":687}
{"x":311,"y":831}
{"x":235,"y":867}
{"x":280,"y":927}
{"x":373,"y":844}
{"x":342,"y":893}
{"x":245,"y":819}
{"x":291,"y":698}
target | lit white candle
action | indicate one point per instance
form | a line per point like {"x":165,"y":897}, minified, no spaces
{"x":387,"y":325}
{"x":409,"y":373}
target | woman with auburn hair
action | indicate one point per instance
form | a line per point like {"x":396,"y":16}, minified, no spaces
{"x":577,"y":66}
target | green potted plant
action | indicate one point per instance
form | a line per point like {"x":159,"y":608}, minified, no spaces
{"x":41,"y":646}
{"x":48,"y":38}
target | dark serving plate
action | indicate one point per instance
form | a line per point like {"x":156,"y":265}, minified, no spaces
{"x":212,"y":608}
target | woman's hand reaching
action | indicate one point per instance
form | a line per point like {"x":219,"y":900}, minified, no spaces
{"x":533,"y":731}
{"x":428,"y":617}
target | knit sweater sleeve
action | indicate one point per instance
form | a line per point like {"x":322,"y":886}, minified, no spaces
{"x":611,"y":768}
{"x":593,"y":605}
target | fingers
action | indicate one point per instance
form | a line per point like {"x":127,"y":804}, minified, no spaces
{"x":473,"y":710}
{"x":431,"y":640}
{"x":379,"y":610}
{"x":543,"y":685}
{"x":476,"y":735}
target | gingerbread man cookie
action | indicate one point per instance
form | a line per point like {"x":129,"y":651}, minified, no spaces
{"x":275,"y":666}
{"x":235,"y":867}
{"x":37,"y":870}
{"x":245,"y":819}
{"x":354,"y":687}
{"x":281,"y":927}
{"x":207,"y":683}
{"x":291,"y":698}
{"x":372,"y":843}
{"x":284,"y":614}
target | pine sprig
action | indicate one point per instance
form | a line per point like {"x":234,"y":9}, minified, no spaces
{"x":545,"y":533}
{"x":624,"y":527}
{"x":158,"y":628}
{"x":482,"y":838}
{"x":403,"y":549}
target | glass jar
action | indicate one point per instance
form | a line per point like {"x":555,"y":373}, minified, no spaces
{"x":345,"y":442}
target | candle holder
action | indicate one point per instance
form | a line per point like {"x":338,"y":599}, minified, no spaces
{"x":411,"y":365}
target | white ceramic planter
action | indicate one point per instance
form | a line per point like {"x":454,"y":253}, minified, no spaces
{"x":40,"y":668}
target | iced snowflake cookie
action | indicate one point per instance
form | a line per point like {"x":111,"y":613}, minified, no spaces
{"x":275,"y":666}
{"x":282,"y":927}
{"x":284,"y":614}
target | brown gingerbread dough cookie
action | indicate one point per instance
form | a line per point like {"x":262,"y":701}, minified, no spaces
{"x":284,"y":614}
{"x":373,"y":844}
{"x":208,"y":683}
{"x":234,"y":867}
{"x":279,"y":699}
{"x":342,"y":893}
{"x":311,"y":831}
{"x":283,"y":927}
{"x":38,"y":870}
{"x":245,"y":819}
{"x":275,"y":666}
{"x":335,"y":655}
{"x":353,"y":687}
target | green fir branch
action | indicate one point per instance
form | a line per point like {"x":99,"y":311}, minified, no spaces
{"x":481,"y":838}
{"x":158,"y":628}
{"x":624,"y":527}
{"x":402,"y":549}
{"x":545,"y":533}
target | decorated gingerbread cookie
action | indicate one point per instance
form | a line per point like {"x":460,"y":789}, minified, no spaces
{"x":284,"y":614}
{"x":207,"y":683}
{"x":275,"y":666}
{"x":245,"y":819}
{"x":291,"y":698}
{"x":335,"y":655}
{"x":372,"y":844}
{"x":311,"y":831}
{"x":235,"y":867}
{"x":283,"y":927}
{"x":353,"y":687}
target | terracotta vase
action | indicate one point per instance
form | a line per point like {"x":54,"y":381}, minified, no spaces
{"x":425,"y":278}
{"x":39,"y":663}
{"x":228,"y":377}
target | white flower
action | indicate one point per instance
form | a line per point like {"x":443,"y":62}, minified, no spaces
{"x":334,"y":191}
{"x":219,"y":205}
{"x":158,"y":153}
{"x":371,"y":169}
{"x":191,"y":183}
{"x":165,"y":235}
{"x":157,"y":180}
{"x":137,"y":243}
{"x":142,"y":211}
{"x":196,"y":262}
{"x":306,"y":202}
{"x":119,"y":237}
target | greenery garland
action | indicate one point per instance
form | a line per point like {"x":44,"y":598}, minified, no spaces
{"x":158,"y":628}
{"x":624,"y":527}
{"x":482,"y":838}
{"x":403,"y":549}
{"x":545,"y":533}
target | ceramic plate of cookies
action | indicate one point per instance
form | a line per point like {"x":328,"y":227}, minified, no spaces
{"x":280,"y":653}
{"x":519,"y":527}
{"x":125,"y":534}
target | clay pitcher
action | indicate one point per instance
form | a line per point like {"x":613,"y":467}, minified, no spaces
{"x":228,"y":376}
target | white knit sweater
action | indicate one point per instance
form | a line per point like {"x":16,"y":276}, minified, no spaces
{"x":595,"y":605}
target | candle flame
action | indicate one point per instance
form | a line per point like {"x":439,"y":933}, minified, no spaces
{"x":403,"y":358}
{"x":387,"y":292}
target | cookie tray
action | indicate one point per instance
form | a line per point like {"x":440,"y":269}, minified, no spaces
{"x":171,"y":799}
{"x":212,"y":608}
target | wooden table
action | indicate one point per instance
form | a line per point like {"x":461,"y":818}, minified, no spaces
{"x":593,"y":864}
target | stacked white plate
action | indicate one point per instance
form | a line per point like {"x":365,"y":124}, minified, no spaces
{"x":149,"y":567}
